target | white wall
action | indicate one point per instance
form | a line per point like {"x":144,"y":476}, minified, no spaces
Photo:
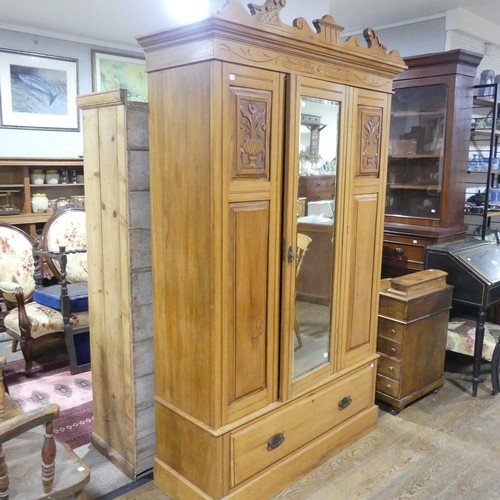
{"x":458,"y":29}
{"x":32,"y":143}
{"x":468,"y":31}
{"x":416,"y":38}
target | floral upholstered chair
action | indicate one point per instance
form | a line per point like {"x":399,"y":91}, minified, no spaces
{"x":17,"y":285}
{"x":27,"y":317}
{"x":68,"y":229}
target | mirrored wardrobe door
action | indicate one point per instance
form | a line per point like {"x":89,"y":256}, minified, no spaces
{"x":310,"y":239}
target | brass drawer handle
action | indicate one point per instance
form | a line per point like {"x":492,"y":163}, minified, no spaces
{"x":391,"y":368}
{"x":388,"y":387}
{"x":393,"y":350}
{"x":393,"y":331}
{"x":275,"y":441}
{"x":345,"y":402}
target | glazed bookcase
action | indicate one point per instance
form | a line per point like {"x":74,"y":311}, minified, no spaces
{"x":428,"y":157}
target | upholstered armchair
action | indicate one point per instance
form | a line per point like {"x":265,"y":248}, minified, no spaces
{"x":33,"y":314}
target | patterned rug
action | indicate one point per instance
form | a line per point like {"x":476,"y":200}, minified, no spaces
{"x":52,"y":382}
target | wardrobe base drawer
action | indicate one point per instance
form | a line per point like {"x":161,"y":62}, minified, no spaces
{"x":276,"y":435}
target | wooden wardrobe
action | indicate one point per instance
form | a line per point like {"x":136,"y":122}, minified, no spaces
{"x":241,"y":408}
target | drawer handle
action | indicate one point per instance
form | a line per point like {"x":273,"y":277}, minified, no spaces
{"x":399,"y":251}
{"x":275,"y":441}
{"x":391,"y":368}
{"x":393,"y":350}
{"x":388,"y":387}
{"x":345,"y":402}
{"x":393,"y":331}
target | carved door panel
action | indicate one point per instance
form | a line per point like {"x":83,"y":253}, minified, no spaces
{"x":364,"y":222}
{"x":252,"y":169}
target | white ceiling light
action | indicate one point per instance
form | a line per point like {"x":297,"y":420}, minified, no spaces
{"x":188,"y":11}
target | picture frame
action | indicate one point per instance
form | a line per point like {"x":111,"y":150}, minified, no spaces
{"x":38,"y":91}
{"x":112,"y":71}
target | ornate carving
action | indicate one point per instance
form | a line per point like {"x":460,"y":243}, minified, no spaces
{"x":305,"y":66}
{"x":269,"y":13}
{"x":371,"y":123}
{"x":297,"y":64}
{"x":253,"y":137}
{"x":373,"y":41}
{"x":328,"y":29}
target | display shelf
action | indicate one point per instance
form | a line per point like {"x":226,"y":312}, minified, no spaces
{"x":413,"y":157}
{"x":483,"y":174}
{"x":56,"y":186}
{"x":15,"y":178}
{"x":434,"y":112}
{"x":425,"y":187}
{"x":22,"y":219}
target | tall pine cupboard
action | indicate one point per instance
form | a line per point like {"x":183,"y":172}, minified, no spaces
{"x":243,"y":408}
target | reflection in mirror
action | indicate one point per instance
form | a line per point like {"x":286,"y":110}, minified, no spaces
{"x":318,"y":148}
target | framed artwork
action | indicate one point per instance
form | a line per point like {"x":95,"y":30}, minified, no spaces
{"x":114,"y":71}
{"x":38,"y":91}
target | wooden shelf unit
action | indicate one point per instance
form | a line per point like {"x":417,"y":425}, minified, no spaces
{"x":15,"y":175}
{"x":484,"y":175}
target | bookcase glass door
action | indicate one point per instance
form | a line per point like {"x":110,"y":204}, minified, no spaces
{"x":416,"y":152}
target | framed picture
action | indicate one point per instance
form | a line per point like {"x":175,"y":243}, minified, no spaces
{"x":114,"y":71}
{"x":38,"y":91}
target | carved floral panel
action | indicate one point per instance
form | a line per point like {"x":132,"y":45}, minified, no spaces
{"x":370,"y":120}
{"x":253,"y":112}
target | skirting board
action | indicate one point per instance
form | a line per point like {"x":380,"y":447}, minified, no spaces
{"x":116,"y":459}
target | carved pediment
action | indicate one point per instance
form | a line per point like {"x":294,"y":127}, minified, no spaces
{"x":325,"y":30}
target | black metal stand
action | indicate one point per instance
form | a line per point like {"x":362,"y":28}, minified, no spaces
{"x":478,"y":349}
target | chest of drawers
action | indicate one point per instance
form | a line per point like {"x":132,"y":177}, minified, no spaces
{"x":317,"y":187}
{"x":411,"y":338}
{"x":403,"y":254}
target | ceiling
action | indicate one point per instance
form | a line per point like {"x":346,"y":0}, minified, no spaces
{"x":118,"y":22}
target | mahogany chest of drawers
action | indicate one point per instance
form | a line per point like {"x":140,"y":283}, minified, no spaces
{"x":317,"y":187}
{"x":411,"y":340}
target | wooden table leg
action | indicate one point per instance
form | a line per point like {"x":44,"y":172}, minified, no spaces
{"x":478,"y":349}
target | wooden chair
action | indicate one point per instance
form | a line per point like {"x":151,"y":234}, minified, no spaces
{"x":67,"y":230}
{"x":33,"y":464}
{"x":35,"y":322}
{"x":303,"y":242}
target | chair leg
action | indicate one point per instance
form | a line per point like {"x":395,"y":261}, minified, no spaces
{"x":48,"y":458}
{"x":494,"y":369}
{"x":26,"y":350}
{"x":15,"y":342}
{"x":297,"y":332}
{"x":4,"y":476}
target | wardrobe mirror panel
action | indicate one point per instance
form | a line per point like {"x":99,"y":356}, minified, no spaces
{"x":314,"y":245}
